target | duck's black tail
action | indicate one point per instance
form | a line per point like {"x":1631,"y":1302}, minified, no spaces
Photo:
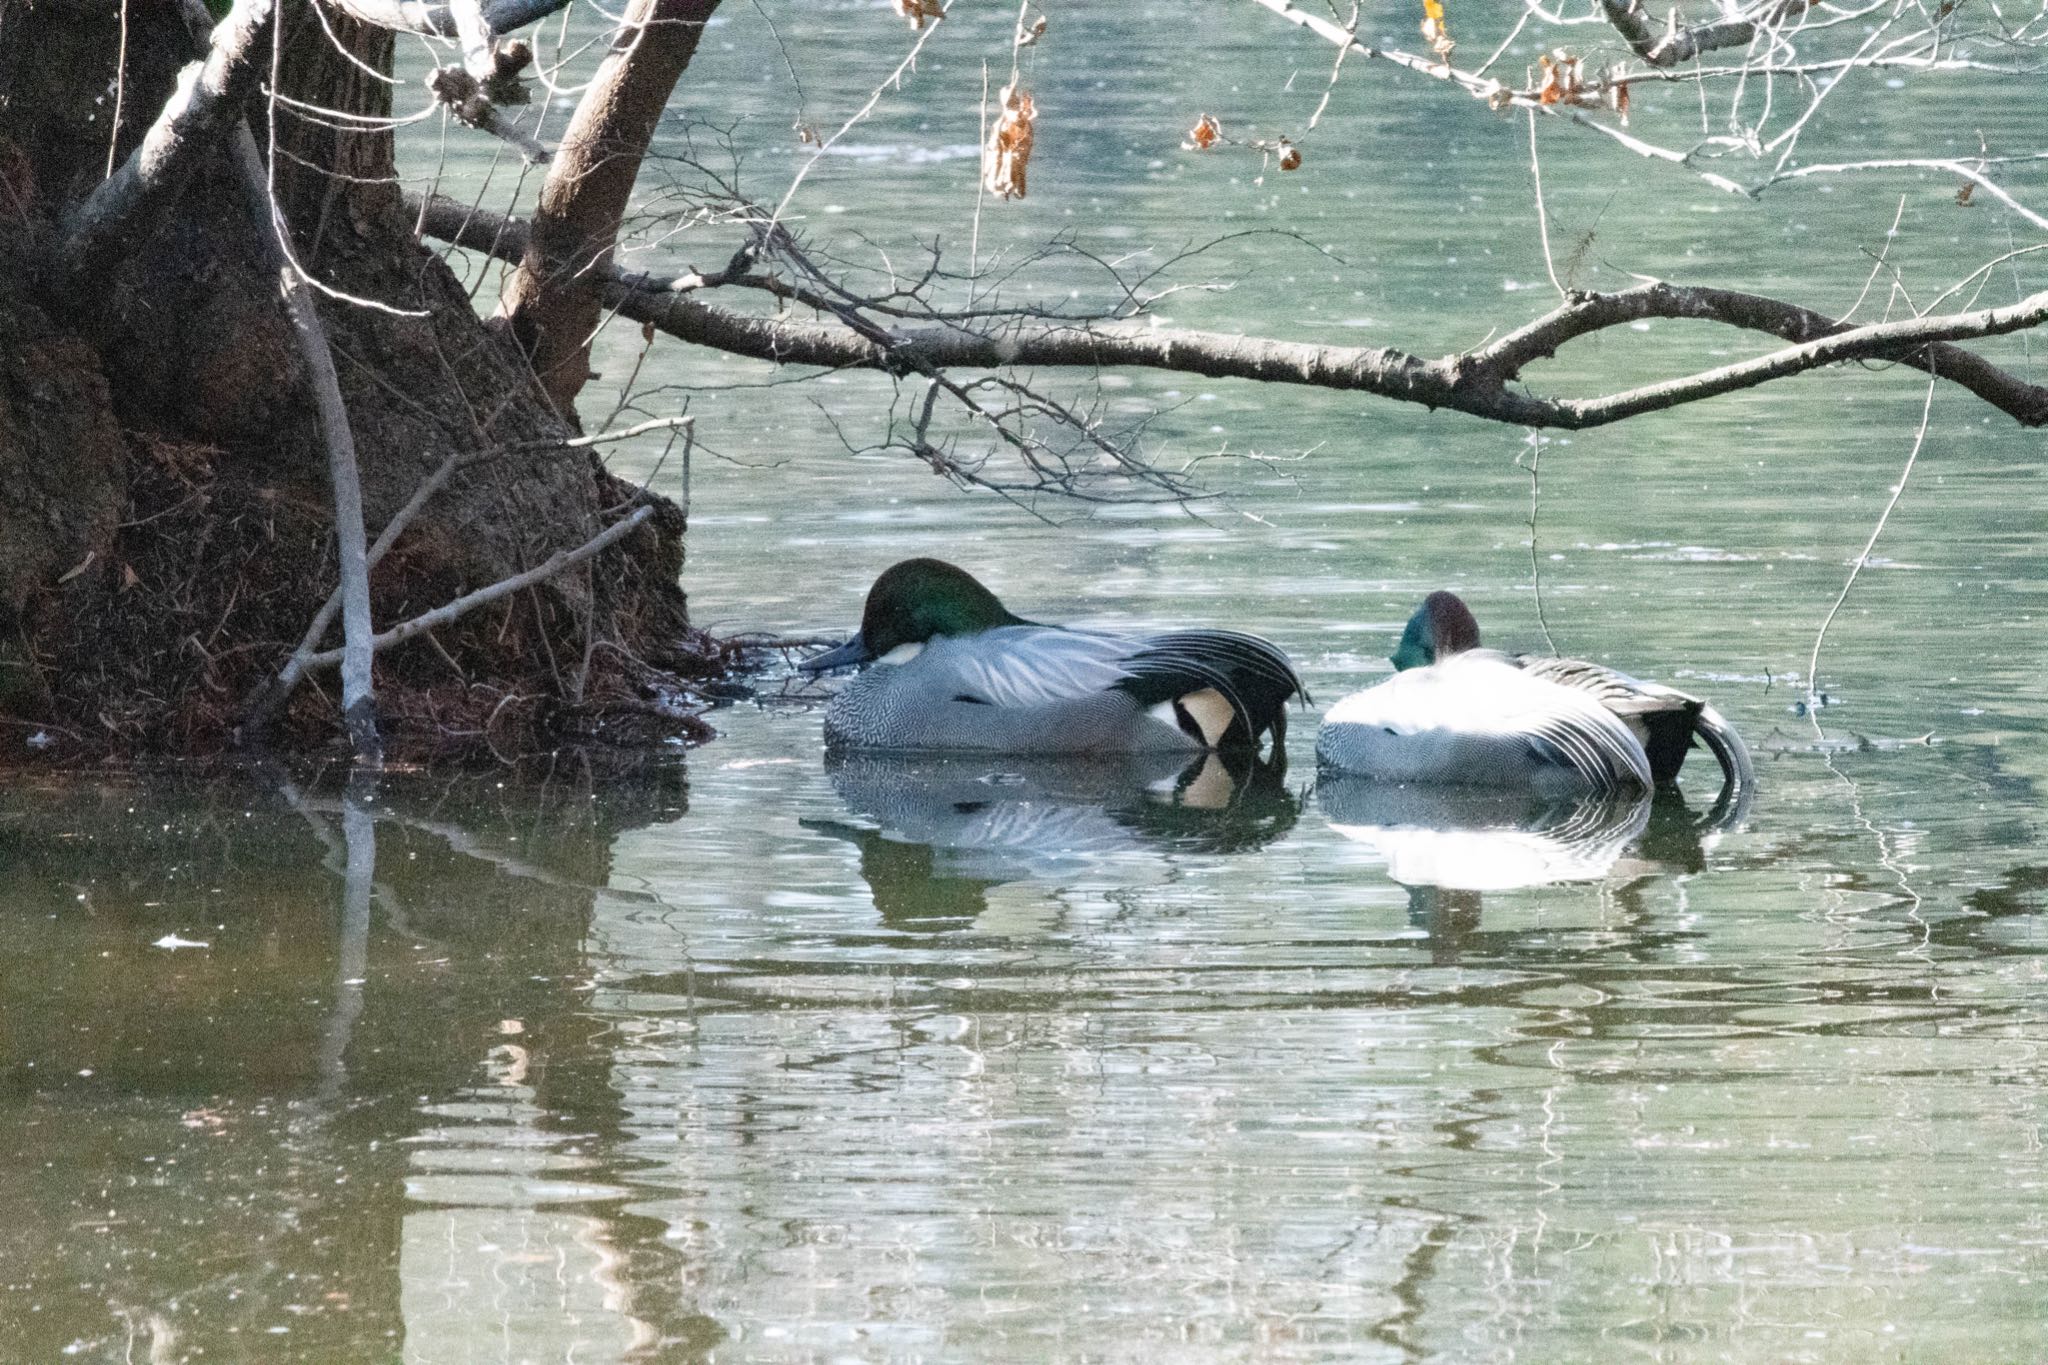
{"x":1227,"y":689}
{"x":1721,"y":740}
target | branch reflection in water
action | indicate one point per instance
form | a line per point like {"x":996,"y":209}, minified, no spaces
{"x":369,"y":1062}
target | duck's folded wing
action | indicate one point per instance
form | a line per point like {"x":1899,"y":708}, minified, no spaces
{"x":1567,"y":723}
{"x":1040,"y":665}
{"x":1032,"y":665}
{"x":1617,"y":691}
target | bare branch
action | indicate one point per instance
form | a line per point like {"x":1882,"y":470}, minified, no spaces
{"x":504,"y":587}
{"x":1921,"y":343}
{"x":1971,"y":170}
{"x":271,"y":697}
{"x":1475,"y":382}
{"x":358,"y":698}
{"x":438,"y":21}
{"x":551,"y":303}
{"x":465,"y":98}
{"x":1673,"y":44}
{"x":198,"y":117}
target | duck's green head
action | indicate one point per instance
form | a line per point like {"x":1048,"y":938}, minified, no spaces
{"x":1442,"y":626}
{"x":913,"y":602}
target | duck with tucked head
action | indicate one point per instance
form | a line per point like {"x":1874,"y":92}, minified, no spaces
{"x":948,"y":666}
{"x":1454,"y":712}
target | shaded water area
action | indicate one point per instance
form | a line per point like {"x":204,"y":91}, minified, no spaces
{"x":748,"y":1055}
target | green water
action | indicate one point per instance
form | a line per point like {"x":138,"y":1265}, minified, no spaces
{"x":751,"y":1058}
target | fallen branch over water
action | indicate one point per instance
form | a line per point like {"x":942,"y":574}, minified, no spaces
{"x":1477,"y":382}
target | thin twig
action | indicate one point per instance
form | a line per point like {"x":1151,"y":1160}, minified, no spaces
{"x":980,"y":189}
{"x":120,"y":92}
{"x":874,"y":98}
{"x":1542,"y":216}
{"x":1878,"y":265}
{"x":1813,"y":700}
{"x":1535,"y":563}
{"x":1336,"y":70}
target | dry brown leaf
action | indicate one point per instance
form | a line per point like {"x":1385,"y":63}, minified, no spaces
{"x":1436,"y":30}
{"x":1564,"y":81}
{"x":1204,"y":134}
{"x":1008,"y":155}
{"x":917,"y":11}
{"x":1290,"y":156}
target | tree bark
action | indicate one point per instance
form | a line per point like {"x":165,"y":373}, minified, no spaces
{"x":555,"y":299}
{"x":192,"y":444}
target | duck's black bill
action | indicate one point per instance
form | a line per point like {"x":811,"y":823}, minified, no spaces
{"x":854,"y":651}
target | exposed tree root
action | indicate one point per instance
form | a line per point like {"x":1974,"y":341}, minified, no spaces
{"x":208,"y":586}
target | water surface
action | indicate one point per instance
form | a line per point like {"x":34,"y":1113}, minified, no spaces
{"x":745,"y":1056}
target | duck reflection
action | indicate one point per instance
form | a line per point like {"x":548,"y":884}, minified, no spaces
{"x":1449,"y":844}
{"x":939,"y":830}
{"x":1481,"y":838}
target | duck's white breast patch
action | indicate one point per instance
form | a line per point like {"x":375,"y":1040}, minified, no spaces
{"x":1207,"y":709}
{"x":1211,"y":713}
{"x":903,"y":654}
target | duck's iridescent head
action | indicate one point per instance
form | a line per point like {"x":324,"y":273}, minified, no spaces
{"x":1442,"y":626}
{"x":910,"y":604}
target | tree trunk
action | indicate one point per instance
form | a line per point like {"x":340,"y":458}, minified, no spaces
{"x":165,"y":522}
{"x":555,"y":299}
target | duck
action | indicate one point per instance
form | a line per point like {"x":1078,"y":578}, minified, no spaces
{"x":946,"y":666}
{"x":1455,"y":712}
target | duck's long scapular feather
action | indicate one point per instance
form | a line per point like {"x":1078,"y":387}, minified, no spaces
{"x":1037,"y":665}
{"x":1664,"y":719}
{"x":1249,"y":673}
{"x":1606,"y":755}
{"x":1727,"y":746}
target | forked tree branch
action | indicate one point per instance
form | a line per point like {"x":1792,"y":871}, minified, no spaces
{"x":438,"y":21}
{"x":1673,"y":44}
{"x":553,"y":312}
{"x":1475,"y":382}
{"x":458,"y":608}
{"x":197,"y":118}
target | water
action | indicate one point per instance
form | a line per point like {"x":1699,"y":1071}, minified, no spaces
{"x":749,"y":1057}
